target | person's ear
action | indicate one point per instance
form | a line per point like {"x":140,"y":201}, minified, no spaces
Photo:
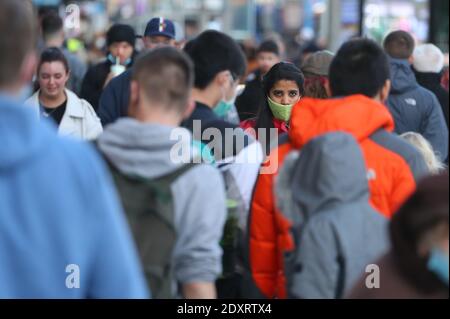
{"x":134,"y":98}
{"x":222,"y":78}
{"x":411,"y":60}
{"x":384,"y":93}
{"x":69,"y":73}
{"x":190,"y":108}
{"x":62,"y":35}
{"x":180,"y":44}
{"x":147,"y":43}
{"x":328,"y":88}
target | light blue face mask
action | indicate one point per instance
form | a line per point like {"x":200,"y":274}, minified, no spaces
{"x":112,"y":59}
{"x":438,"y":264}
{"x":223,"y":108}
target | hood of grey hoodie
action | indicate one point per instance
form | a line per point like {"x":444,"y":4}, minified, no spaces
{"x":330,"y":171}
{"x":136,"y":148}
{"x":402,"y":76}
{"x":343,"y":233}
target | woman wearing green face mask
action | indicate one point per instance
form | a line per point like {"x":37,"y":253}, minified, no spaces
{"x":283,"y":88}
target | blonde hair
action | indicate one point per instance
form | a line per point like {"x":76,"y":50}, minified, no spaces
{"x":435,"y":166}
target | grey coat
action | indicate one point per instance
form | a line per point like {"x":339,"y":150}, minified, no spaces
{"x":339,"y":233}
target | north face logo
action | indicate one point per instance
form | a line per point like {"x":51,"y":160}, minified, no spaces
{"x":412,"y":102}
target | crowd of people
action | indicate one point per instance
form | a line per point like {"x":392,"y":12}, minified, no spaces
{"x":155,"y":174}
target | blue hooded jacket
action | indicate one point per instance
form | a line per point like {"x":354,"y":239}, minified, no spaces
{"x":62,"y":231}
{"x":416,"y":109}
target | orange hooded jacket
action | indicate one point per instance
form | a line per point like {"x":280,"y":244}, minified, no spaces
{"x":393,"y":167}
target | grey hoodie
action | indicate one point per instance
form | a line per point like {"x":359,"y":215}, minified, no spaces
{"x":339,"y":233}
{"x":199,"y":194}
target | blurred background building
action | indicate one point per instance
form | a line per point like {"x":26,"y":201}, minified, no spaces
{"x":300,"y":23}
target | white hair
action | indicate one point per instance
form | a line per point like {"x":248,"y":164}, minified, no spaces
{"x":428,"y":58}
{"x":435,"y":166}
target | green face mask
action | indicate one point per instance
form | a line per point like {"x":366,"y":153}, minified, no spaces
{"x":280,"y":111}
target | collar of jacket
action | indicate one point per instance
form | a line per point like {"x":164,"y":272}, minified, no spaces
{"x":73,"y":108}
{"x":357,"y":115}
{"x":428,"y":77}
{"x":281,"y":125}
{"x":205,"y":112}
{"x":404,"y":62}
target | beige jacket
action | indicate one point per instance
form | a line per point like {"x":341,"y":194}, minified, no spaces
{"x":79,"y":120}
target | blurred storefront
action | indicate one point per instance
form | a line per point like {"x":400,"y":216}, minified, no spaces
{"x":439,"y":24}
{"x":327,"y":22}
{"x":382,"y":16}
{"x":332,"y":22}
